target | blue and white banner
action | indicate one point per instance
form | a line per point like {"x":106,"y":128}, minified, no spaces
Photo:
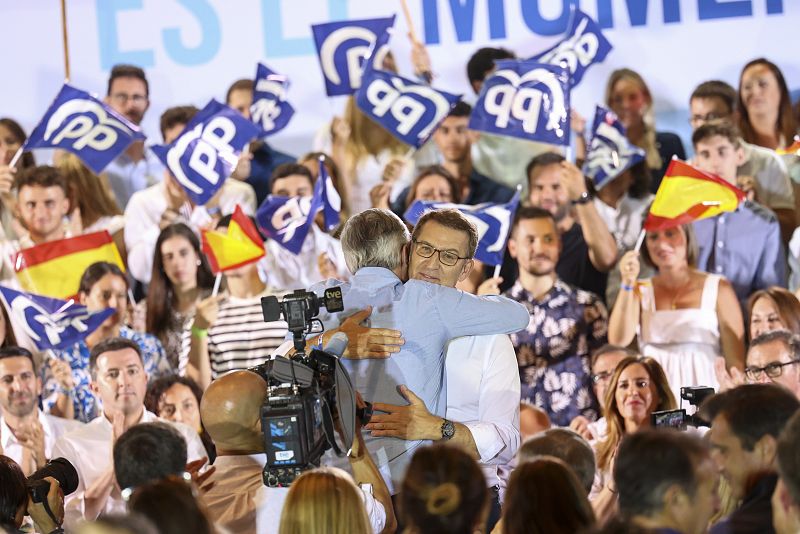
{"x":270,"y":111}
{"x":329,"y":197}
{"x":408,"y":110}
{"x":342,"y":47}
{"x":583,"y":46}
{"x":52,"y":323}
{"x":78,"y":122}
{"x":609,"y":153}
{"x":525,"y":99}
{"x":207,"y":150}
{"x":493,"y":222}
{"x":287,"y":220}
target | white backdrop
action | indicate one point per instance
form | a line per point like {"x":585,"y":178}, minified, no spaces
{"x":193,"y":49}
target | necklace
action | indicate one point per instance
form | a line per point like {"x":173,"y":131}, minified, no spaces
{"x":679,"y":292}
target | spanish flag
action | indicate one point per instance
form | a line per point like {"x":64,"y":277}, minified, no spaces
{"x":54,"y":269}
{"x":687,"y":195}
{"x":240,"y":245}
{"x":793,"y":149}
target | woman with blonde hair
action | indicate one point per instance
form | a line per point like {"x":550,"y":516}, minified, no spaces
{"x":324,"y":501}
{"x":628,"y":96}
{"x":444,"y":492}
{"x":638,"y":388}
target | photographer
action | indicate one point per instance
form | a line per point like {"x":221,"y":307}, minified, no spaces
{"x":238,"y":499}
{"x":15,"y":501}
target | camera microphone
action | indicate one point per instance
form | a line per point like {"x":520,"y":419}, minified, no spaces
{"x":337,"y":344}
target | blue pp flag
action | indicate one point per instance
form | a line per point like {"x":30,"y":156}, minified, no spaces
{"x":408,"y":110}
{"x":342,"y":47}
{"x":609,"y":153}
{"x":525,"y":99}
{"x":270,"y":111}
{"x":287,"y":220}
{"x":52,"y":323}
{"x":493,"y":222}
{"x":78,"y":122}
{"x":330,"y":201}
{"x":207,"y":150}
{"x":583,"y":46}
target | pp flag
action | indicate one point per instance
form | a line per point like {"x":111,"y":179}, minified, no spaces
{"x":687,"y":194}
{"x":493,"y":222}
{"x":55,"y":268}
{"x":525,"y":99}
{"x":240,"y":245}
{"x":207,"y":150}
{"x":85,"y":126}
{"x":583,"y":46}
{"x":329,"y":197}
{"x":408,"y":110}
{"x":288,"y":220}
{"x":270,"y":111}
{"x":342,"y":47}
{"x":52,"y":323}
{"x":610,"y":153}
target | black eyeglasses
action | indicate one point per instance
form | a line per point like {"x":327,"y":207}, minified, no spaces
{"x":446,"y":257}
{"x":694,"y":119}
{"x":772,"y":370}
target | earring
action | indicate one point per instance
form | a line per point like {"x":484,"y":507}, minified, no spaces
{"x":199,"y":263}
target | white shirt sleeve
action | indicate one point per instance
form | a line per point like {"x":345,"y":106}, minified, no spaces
{"x":496,"y":432}
{"x":142,"y":215}
{"x":375,"y":510}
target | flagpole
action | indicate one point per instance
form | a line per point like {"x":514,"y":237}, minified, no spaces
{"x":15,"y":159}
{"x":217,"y":283}
{"x":640,"y":240}
{"x":412,"y":35}
{"x":66,"y":42}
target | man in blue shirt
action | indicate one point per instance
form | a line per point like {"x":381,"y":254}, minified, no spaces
{"x":376,"y":247}
{"x":744,"y":245}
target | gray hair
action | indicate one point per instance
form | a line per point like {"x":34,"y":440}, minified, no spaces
{"x":374,"y":238}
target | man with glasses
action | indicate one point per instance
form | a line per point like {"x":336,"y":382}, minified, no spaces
{"x":427,"y":313}
{"x":566,"y":323}
{"x":138,"y":167}
{"x":762,"y":173}
{"x":774,"y":357}
{"x":119,"y":379}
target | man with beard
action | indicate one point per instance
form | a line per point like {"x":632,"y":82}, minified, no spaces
{"x":138,"y":167}
{"x":566,"y":324}
{"x":27,"y":434}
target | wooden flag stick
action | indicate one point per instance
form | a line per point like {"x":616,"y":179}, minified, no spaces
{"x":412,"y":34}
{"x":66,"y":40}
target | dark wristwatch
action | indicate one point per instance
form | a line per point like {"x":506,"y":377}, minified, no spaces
{"x":448,"y":430}
{"x":585,"y":198}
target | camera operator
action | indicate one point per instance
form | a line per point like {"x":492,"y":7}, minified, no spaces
{"x":238,"y":499}
{"x":377,"y":247}
{"x":27,"y":434}
{"x":745,"y":424}
{"x":16,"y":502}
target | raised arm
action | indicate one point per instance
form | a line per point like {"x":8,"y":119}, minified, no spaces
{"x":626,"y":312}
{"x":731,"y":326}
{"x":464,"y":314}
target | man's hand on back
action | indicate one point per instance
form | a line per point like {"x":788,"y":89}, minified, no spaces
{"x":367,"y":342}
{"x":412,"y":422}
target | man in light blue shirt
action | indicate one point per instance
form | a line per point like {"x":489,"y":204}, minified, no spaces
{"x":376,"y":248}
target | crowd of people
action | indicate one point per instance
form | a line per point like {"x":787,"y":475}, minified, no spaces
{"x":526,"y":401}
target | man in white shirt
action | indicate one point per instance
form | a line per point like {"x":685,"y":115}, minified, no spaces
{"x":237,"y":499}
{"x":119,"y":379}
{"x":27,"y":434}
{"x":151,"y":210}
{"x":483,"y":385}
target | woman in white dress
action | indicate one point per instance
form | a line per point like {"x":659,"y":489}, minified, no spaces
{"x":683,"y":318}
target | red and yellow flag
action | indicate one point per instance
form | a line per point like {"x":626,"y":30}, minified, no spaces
{"x":54,"y":269}
{"x":687,"y":195}
{"x":240,"y":245}
{"x":794,"y":148}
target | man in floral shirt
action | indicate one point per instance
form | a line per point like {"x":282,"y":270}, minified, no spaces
{"x":566,"y":323}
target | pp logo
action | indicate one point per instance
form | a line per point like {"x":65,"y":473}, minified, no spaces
{"x":209,"y":143}
{"x":39,"y":323}
{"x":610,"y":150}
{"x":579,"y":48}
{"x":407,"y":104}
{"x":521,"y":100}
{"x":288,"y":218}
{"x":86,"y":122}
{"x":354,"y":43}
{"x":265,"y":112}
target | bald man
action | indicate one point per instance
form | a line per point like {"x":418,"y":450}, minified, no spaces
{"x":238,"y":499}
